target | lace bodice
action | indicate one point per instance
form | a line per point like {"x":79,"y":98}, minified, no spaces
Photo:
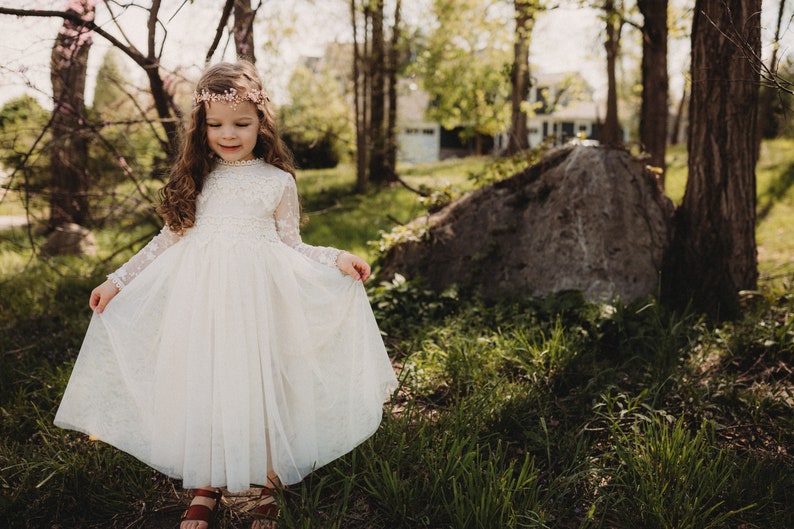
{"x":252,"y":201}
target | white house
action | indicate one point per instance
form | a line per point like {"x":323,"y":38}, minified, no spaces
{"x":562,"y":108}
{"x":418,"y":139}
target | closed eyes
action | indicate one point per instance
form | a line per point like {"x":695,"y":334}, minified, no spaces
{"x":241,"y":125}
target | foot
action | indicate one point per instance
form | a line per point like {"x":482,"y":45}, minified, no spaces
{"x":266,"y":512}
{"x":203,"y":507}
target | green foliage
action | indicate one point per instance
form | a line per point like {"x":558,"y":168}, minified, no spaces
{"x":464,"y":66}
{"x":23,"y":140}
{"x":667,"y":478}
{"x":506,"y":166}
{"x":317,"y":124}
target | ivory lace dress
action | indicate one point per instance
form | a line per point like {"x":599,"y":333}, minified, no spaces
{"x":234,"y":348}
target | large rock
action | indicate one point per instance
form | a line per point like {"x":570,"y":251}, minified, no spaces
{"x":584,"y":218}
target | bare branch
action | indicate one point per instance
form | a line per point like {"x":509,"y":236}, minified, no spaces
{"x":227,"y":10}
{"x":115,"y":20}
{"x":128,"y":50}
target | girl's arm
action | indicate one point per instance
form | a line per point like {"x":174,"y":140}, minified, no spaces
{"x":287,"y":216}
{"x":138,"y":262}
{"x":117,"y":280}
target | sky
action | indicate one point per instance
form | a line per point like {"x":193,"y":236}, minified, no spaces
{"x":563,"y":40}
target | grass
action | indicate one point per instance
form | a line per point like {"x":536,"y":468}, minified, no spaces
{"x":538,"y":413}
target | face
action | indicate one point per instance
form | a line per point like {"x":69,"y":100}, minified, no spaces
{"x":232,"y":131}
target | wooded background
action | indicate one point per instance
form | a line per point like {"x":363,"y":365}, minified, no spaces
{"x":472,"y":57}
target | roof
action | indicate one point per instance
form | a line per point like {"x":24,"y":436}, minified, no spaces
{"x":575,"y":110}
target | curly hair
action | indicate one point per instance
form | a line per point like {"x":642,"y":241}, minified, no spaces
{"x":196,"y":160}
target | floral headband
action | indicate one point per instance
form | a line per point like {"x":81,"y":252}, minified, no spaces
{"x":231,"y":97}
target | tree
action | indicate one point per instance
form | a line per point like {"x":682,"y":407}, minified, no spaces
{"x":69,"y":150}
{"x":24,"y":130}
{"x":243,"y":30}
{"x":768,"y":123}
{"x":375,"y":64}
{"x":520,"y":75}
{"x":464,"y":67}
{"x":713,"y":253}
{"x":611,"y":132}
{"x":377,"y":133}
{"x":394,"y":66}
{"x":654,"y":106}
{"x":316,"y":123}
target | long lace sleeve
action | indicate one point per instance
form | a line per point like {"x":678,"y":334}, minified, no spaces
{"x":287,"y":216}
{"x":144,"y":257}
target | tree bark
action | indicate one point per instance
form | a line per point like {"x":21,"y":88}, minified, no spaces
{"x":675,"y":132}
{"x":69,"y":156}
{"x":359,"y":102}
{"x":390,"y":165}
{"x":713,"y":254}
{"x":244,"y":30}
{"x":654,"y":109}
{"x":519,"y":75}
{"x":611,"y":132}
{"x":377,"y":69}
{"x":766,"y":118}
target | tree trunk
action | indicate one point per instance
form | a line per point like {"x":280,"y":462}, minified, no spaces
{"x":519,"y":76}
{"x":675,"y":132}
{"x":377,"y":122}
{"x":244,"y":30}
{"x":713,"y":254}
{"x":610,"y":132}
{"x":359,"y":103}
{"x":69,"y":156}
{"x":653,"y":111}
{"x":766,"y":118}
{"x":390,"y":165}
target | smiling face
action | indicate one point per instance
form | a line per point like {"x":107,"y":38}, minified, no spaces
{"x":232,"y":130}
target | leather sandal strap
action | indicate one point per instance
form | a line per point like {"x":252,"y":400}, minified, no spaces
{"x":267,"y":491}
{"x":198,"y":513}
{"x":215,"y":494}
{"x":268,"y":511}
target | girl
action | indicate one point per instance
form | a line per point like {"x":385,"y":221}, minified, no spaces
{"x":232,"y":353}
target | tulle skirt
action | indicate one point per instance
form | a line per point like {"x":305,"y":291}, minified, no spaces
{"x":223,"y":360}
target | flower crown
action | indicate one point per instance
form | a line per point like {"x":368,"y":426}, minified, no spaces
{"x":231,"y":97}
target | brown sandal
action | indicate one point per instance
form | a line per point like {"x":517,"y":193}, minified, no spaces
{"x":267,"y":511}
{"x":202,"y":513}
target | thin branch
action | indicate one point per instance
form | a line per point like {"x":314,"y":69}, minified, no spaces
{"x":115,"y":19}
{"x":130,"y":51}
{"x":767,"y":74}
{"x":227,"y":10}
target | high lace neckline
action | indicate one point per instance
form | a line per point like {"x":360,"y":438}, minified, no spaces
{"x":239,"y":163}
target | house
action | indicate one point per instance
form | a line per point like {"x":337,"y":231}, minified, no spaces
{"x":422,"y":140}
{"x":418,"y":139}
{"x":561,"y":108}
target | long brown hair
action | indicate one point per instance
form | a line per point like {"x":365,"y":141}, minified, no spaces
{"x":196,"y":160}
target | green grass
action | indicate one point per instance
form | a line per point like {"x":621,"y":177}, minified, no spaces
{"x":552,"y":413}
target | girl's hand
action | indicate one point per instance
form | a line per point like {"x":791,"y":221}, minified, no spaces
{"x":353,"y":266}
{"x":102,"y":295}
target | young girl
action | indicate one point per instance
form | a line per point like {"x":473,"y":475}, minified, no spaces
{"x":227,"y":352}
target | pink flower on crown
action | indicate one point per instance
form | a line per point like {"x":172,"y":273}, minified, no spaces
{"x":230,"y":97}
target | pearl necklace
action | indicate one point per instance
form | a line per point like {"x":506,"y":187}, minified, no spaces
{"x":221,"y":161}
